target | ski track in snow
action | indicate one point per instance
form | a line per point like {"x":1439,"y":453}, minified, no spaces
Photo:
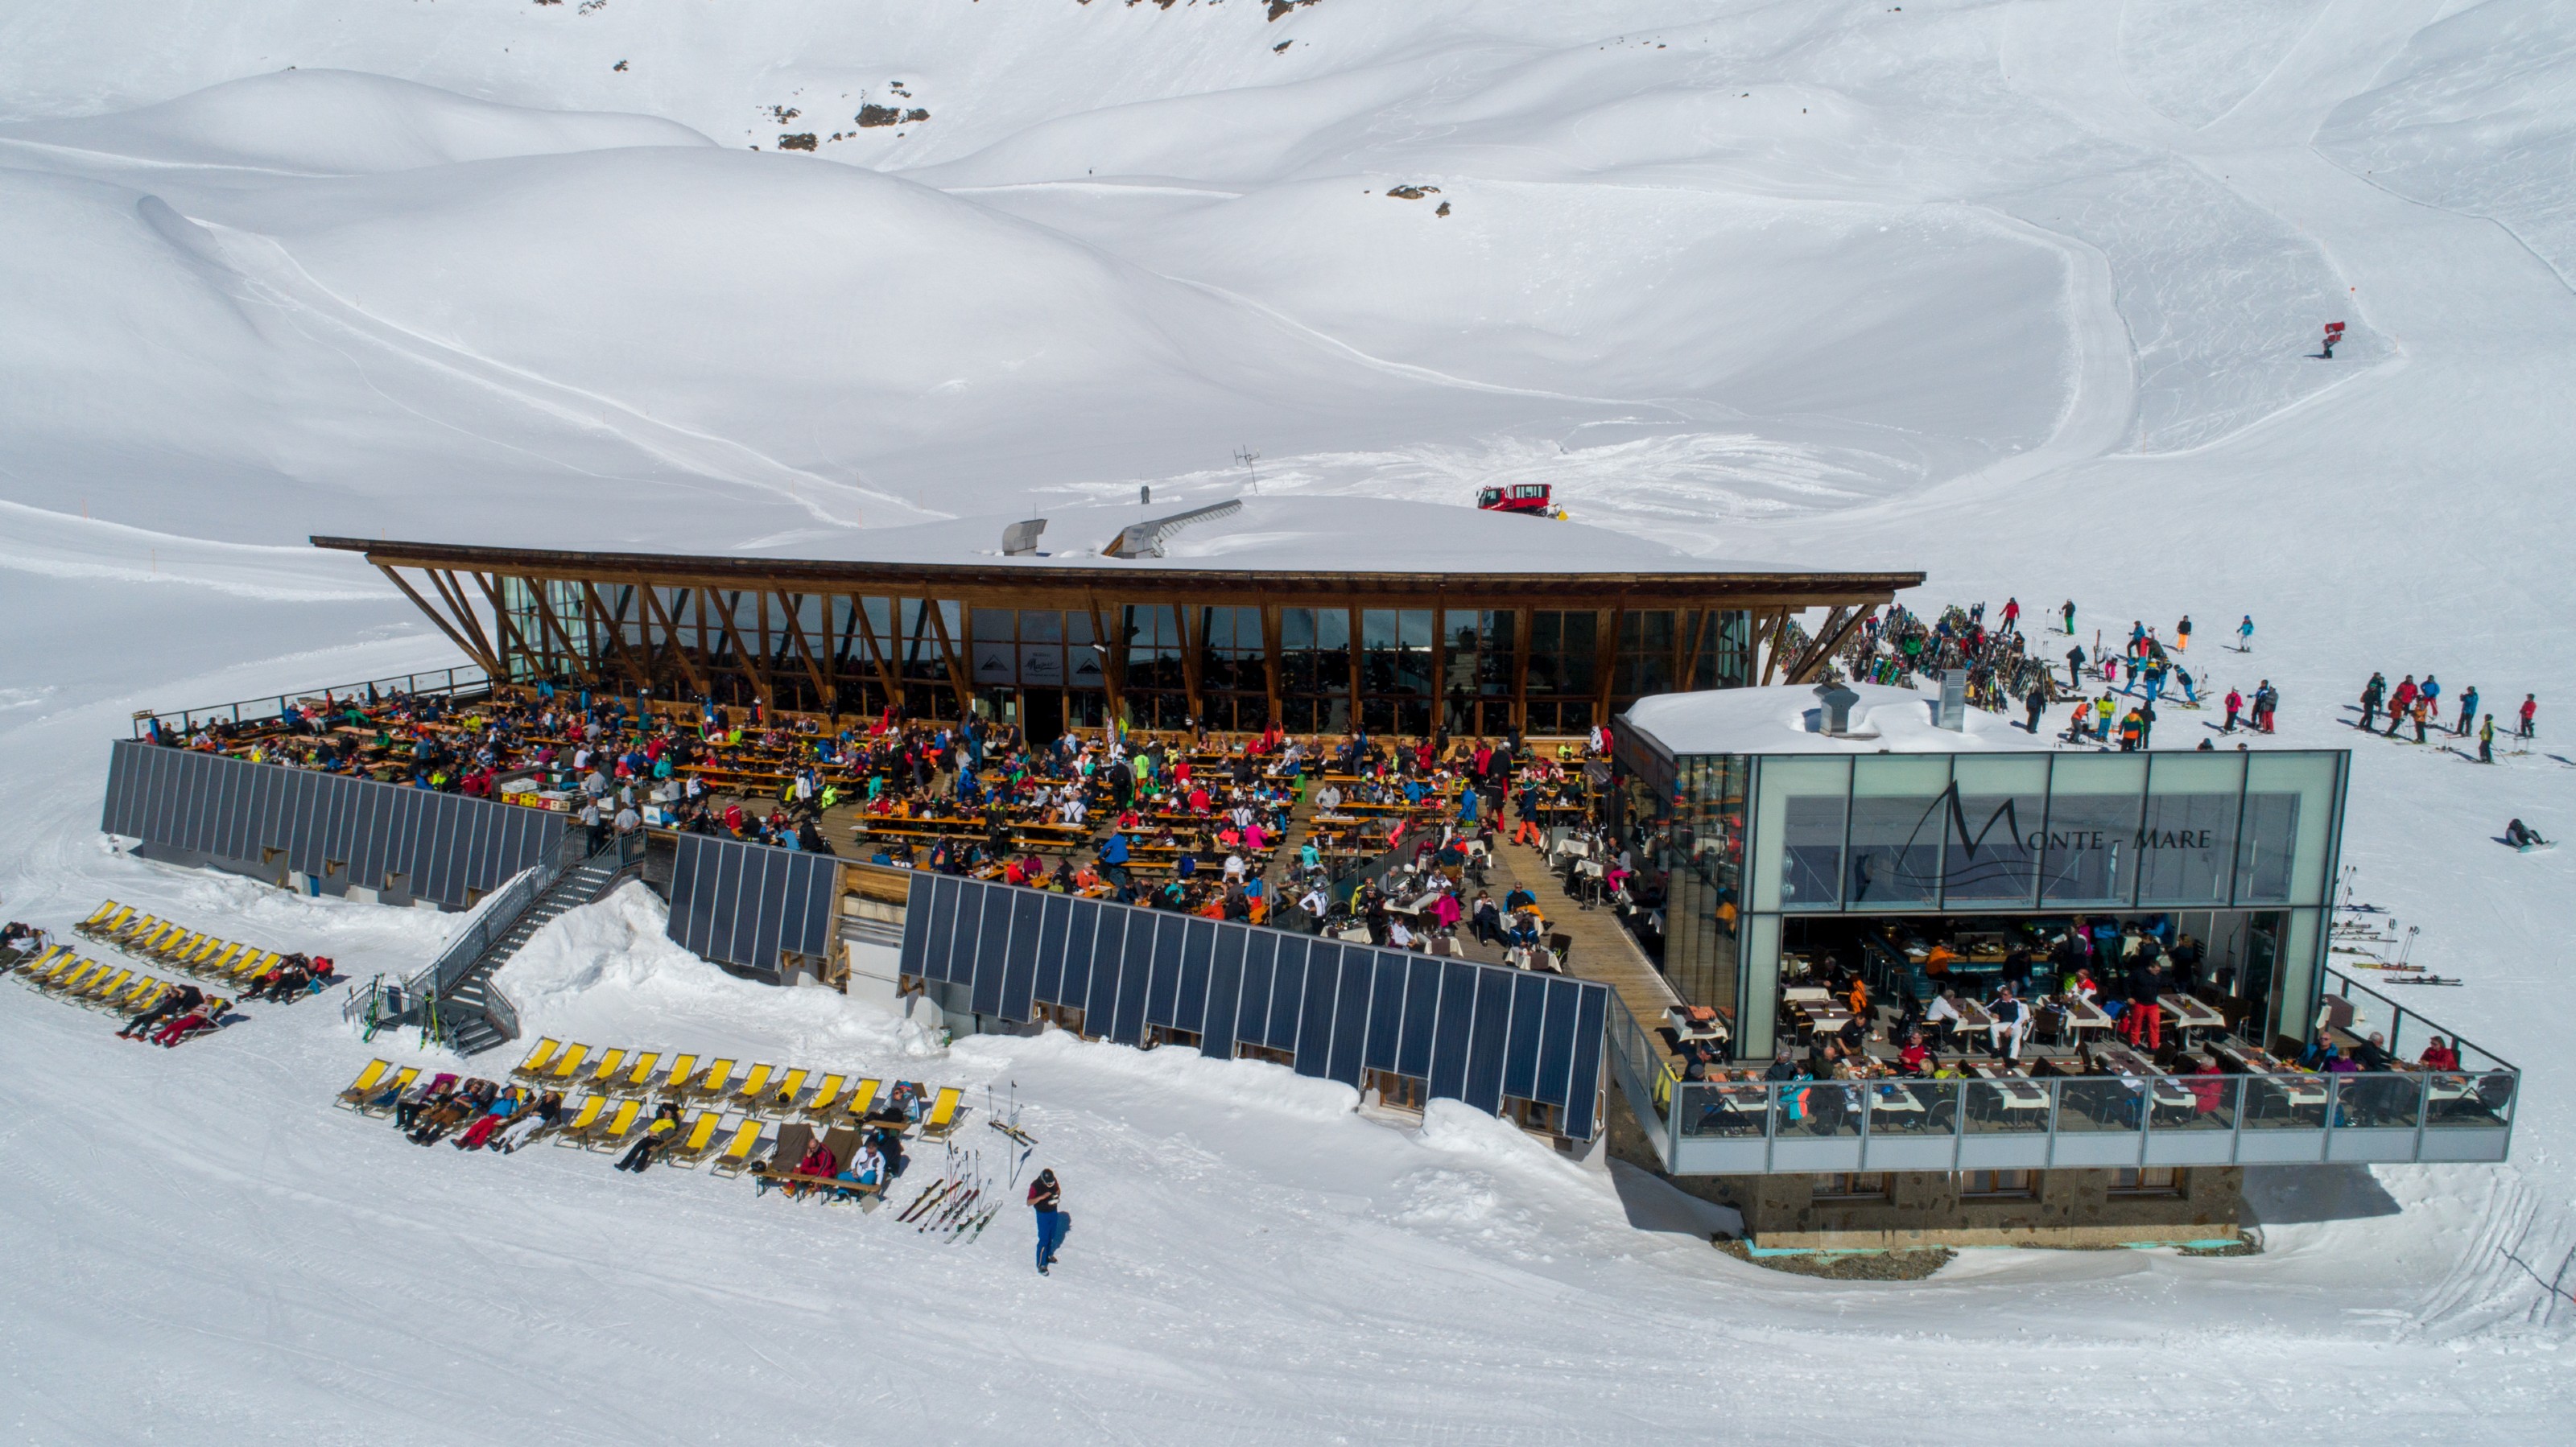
{"x":204,"y":1250}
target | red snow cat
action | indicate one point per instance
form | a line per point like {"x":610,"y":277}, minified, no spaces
{"x":1529,"y":498}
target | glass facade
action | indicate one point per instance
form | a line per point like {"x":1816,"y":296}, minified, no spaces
{"x":1752,"y":840}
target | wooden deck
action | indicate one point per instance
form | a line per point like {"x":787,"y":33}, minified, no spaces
{"x":1603,"y":948}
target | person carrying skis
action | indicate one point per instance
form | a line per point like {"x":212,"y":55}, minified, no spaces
{"x":2374,"y":694}
{"x":1046,"y":1200}
{"x":2235,"y":706}
{"x":2530,"y":706}
{"x":2486,"y":740}
{"x":2245,"y":635}
{"x":2400,"y":702}
{"x":2468,"y":710}
{"x":2182,"y":635}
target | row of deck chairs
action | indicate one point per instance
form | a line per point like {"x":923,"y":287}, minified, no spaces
{"x":66,"y":974}
{"x":148,"y":937}
{"x":645,"y":1077}
{"x":726,"y":1129}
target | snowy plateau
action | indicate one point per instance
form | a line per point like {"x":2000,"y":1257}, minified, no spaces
{"x":2020,"y":293}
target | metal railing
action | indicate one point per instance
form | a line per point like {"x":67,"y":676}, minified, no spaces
{"x":445,"y":683}
{"x":2082,"y":1121}
{"x":2374,"y":1014}
{"x":490,"y":921}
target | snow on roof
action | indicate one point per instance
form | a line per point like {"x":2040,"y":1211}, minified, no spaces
{"x":1785,"y":720}
{"x":1291,"y":533}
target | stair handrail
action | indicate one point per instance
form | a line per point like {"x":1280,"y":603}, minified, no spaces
{"x":483,"y":929}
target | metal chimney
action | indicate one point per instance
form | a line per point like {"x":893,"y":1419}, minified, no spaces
{"x":1021,"y":539}
{"x":1835,"y":702}
{"x":1954,"y":701}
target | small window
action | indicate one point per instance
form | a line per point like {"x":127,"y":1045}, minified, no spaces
{"x":1852,"y":1186}
{"x":1530,"y":489}
{"x":1995,"y":1186}
{"x":1489,"y":496}
{"x":2147,"y":1181}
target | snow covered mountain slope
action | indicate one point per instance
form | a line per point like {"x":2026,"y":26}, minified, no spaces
{"x":2018,"y":292}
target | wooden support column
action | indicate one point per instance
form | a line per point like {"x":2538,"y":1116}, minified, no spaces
{"x":1191,"y":663}
{"x":881,"y":651}
{"x":1606,"y":658}
{"x":1838,"y":627}
{"x":616,"y":635}
{"x":1767,"y":639}
{"x":749,"y":664}
{"x":554,"y":626}
{"x":513,"y":643}
{"x":671,"y":633}
{"x":1521,"y":620}
{"x":1686,"y":678}
{"x":951,"y":652}
{"x":489,"y":664}
{"x":1113,"y":659}
{"x":793,"y":620}
{"x":1271,"y":634}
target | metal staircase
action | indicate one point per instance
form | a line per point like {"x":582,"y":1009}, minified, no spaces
{"x":462,"y":1009}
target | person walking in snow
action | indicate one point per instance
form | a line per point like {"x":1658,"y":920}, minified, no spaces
{"x":2245,"y":635}
{"x":2429,"y":692}
{"x":2486,"y":740}
{"x":1046,"y":1200}
{"x":2468,"y":710}
{"x":2069,"y":610}
{"x":2012,"y":613}
{"x":2182,"y":635}
{"x":2235,"y":706}
{"x":2075,"y":666}
{"x":2423,"y":714}
{"x":2037,"y":703}
{"x":2530,"y":706}
{"x":2267,"y":700}
{"x":2400,"y":702}
{"x":2375,"y":693}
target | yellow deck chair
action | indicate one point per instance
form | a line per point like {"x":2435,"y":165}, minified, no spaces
{"x":402,"y":1081}
{"x":754,"y":1081}
{"x":566,"y":1062}
{"x":714,"y":1083}
{"x":215,"y":963}
{"x":102,"y":987}
{"x":696,"y":1137}
{"x":639,"y":1074}
{"x":541,"y":1055}
{"x":145,"y":996}
{"x":176,"y":946}
{"x":366,"y":1081}
{"x":44,"y":963}
{"x":944,"y":1115}
{"x":166,"y":934}
{"x":863,"y":1098}
{"x":65,"y":984}
{"x":211,"y":949}
{"x":585,"y":1117}
{"x":104,"y":914}
{"x":611,"y":1135}
{"x":826,"y":1096}
{"x":739,"y":1152}
{"x":782,"y":1093}
{"x":603,"y":1075}
{"x":133,"y":929}
{"x":254,"y":963}
{"x":123,"y":916}
{"x":675,"y":1081}
{"x":51,"y":974}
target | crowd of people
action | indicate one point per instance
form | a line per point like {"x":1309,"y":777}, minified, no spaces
{"x":2420,"y":704}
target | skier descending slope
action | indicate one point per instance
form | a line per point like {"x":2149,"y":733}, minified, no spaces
{"x":1046,"y":1200}
{"x":2245,"y":635}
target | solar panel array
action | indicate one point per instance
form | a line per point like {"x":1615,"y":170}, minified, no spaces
{"x":740,"y":904}
{"x":1469,"y":1032}
{"x":444,"y":847}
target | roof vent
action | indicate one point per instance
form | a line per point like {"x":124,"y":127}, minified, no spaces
{"x":1145,"y":540}
{"x":1954,"y":701}
{"x":1836,"y":702}
{"x":1021,"y":539}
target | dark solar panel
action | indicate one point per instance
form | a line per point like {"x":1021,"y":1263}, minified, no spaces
{"x":1484,"y":1088}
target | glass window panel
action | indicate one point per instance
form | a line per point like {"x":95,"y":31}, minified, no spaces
{"x":1998,"y":809}
{"x":1494,"y":663}
{"x":2187,"y":842}
{"x":2283,"y":844}
{"x":2089,"y":856}
{"x":1899,"y":809}
{"x":1296,"y":628}
{"x":1413,"y":628}
{"x":1332,"y":628}
{"x":993,"y":625}
{"x":1377,"y":628}
{"x":1798,"y":856}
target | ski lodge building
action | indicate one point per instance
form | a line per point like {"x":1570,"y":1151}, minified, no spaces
{"x":1787,"y":844}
